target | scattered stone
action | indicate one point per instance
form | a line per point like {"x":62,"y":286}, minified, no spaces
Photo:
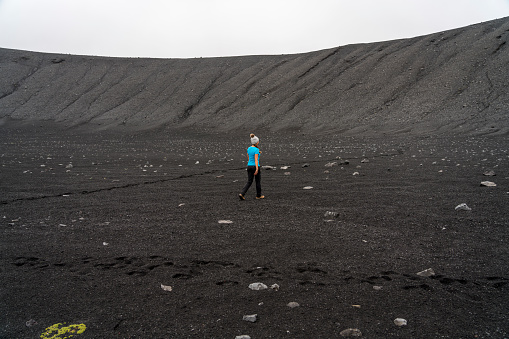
{"x":377,"y":288}
{"x":351,"y":332}
{"x":220,"y":176}
{"x":225,"y":222}
{"x":426,"y":273}
{"x":308,"y":187}
{"x":331,"y":215}
{"x":105,"y":243}
{"x":400,"y":322}
{"x":331,"y":164}
{"x":166,"y":288}
{"x":305,"y":165}
{"x":344,"y":162}
{"x":275,"y":287}
{"x":258,"y":286}
{"x":251,"y":318}
{"x":356,"y":306}
{"x":293,"y":304}
{"x":182,"y":204}
{"x":488,"y":184}
{"x":69,"y":166}
{"x":269,"y":168}
{"x":31,"y":323}
{"x":363,"y":161}
{"x":244,"y":336}
{"x":326,"y":171}
{"x":489,"y":173}
{"x":287,"y":173}
{"x":355,"y":173}
{"x":463,"y":207}
{"x":285,"y":167}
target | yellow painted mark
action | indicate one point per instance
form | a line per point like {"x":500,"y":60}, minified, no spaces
{"x":59,"y":331}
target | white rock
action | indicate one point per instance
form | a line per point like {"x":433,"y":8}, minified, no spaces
{"x":355,"y":173}
{"x":251,"y":318}
{"x":331,"y":215}
{"x":488,"y":184}
{"x":293,"y":304}
{"x":463,"y":207}
{"x":258,"y":286}
{"x":244,"y":336}
{"x":400,"y":322}
{"x":166,"y":288}
{"x":426,"y":273}
{"x":308,"y":187}
{"x":225,"y":222}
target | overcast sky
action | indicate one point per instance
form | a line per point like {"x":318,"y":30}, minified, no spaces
{"x":204,"y":28}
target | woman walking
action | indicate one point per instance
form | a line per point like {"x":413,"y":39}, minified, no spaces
{"x":253,"y":168}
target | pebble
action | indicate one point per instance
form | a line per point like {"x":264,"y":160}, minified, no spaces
{"x":166,"y":288}
{"x":426,"y":273}
{"x":285,"y":167}
{"x":331,"y":215}
{"x":225,"y":222}
{"x":244,"y":336}
{"x":258,"y":286}
{"x":400,"y":322}
{"x":308,"y":187}
{"x":31,"y":323}
{"x":293,"y":304}
{"x":463,"y":207}
{"x":351,"y":332}
{"x":489,"y":173}
{"x":275,"y":287}
{"x":305,"y":165}
{"x":488,"y":184}
{"x":251,"y":318}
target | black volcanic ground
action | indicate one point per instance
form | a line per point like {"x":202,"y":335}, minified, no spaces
{"x":115,"y":175}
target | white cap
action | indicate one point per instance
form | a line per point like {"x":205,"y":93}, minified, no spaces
{"x":254,"y":140}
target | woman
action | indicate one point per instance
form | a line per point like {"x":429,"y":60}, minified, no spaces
{"x":253,"y":168}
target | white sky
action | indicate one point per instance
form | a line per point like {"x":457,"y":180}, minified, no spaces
{"x":204,"y":28}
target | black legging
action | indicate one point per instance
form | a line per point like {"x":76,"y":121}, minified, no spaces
{"x":250,"y":175}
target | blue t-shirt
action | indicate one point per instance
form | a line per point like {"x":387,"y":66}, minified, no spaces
{"x":251,"y":151}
